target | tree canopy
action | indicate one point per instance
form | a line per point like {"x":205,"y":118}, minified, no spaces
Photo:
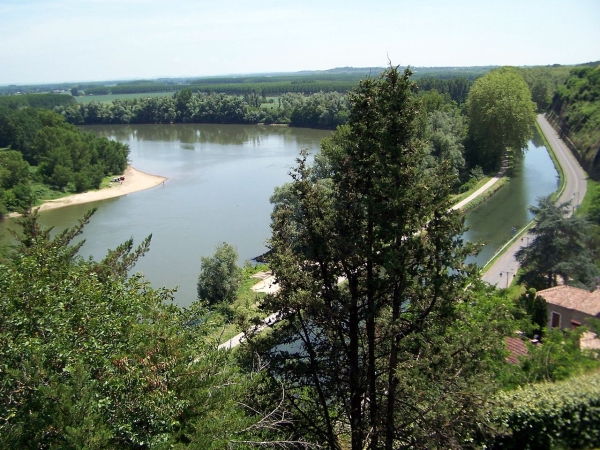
{"x":91,"y":357}
{"x":501,"y":114}
{"x":560,"y":250}
{"x":65,"y":157}
{"x":220,"y":276}
{"x":370,"y":266}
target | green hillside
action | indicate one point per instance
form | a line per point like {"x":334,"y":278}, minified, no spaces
{"x":575,"y":111}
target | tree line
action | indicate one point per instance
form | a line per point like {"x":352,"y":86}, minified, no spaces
{"x":47,"y":101}
{"x":320,"y":110}
{"x":44,"y":148}
{"x":329,"y":110}
{"x":271,"y":89}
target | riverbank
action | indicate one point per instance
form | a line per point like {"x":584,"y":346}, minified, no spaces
{"x":572,"y":189}
{"x":135,"y":181}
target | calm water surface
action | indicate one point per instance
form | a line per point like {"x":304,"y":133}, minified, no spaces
{"x":220,"y":181}
{"x":491,"y":222}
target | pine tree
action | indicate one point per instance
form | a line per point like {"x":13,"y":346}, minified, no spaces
{"x":370,"y":265}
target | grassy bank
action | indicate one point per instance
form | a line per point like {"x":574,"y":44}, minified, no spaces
{"x":109,"y":98}
{"x":245,"y":306}
{"x":460,"y":197}
{"x":586,"y":203}
{"x":486,"y":195}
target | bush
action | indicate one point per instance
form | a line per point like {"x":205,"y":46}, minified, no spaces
{"x":220,"y":276}
{"x":549,"y":415}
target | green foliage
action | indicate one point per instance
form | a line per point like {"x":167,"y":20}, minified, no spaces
{"x":501,"y":114}
{"x":381,"y":346}
{"x":536,"y":309}
{"x":543,"y":83}
{"x":560,"y":251}
{"x":220,"y":276}
{"x":320,"y":111}
{"x":457,"y":88}
{"x":302,"y":103}
{"x":590,"y":206}
{"x":47,"y":101}
{"x":564,"y":414}
{"x":559,"y":357}
{"x":93,"y":358}
{"x":575,"y":110}
{"x":15,"y":190}
{"x":13,"y":169}
{"x":67,"y":157}
{"x":446,"y":131}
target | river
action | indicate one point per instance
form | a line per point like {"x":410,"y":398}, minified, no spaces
{"x":220,"y":181}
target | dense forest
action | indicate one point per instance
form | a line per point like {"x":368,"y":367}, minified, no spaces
{"x":384,"y":338}
{"x":45,"y":149}
{"x":575,"y":111}
{"x":320,"y":109}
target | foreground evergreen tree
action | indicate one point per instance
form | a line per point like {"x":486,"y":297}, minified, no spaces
{"x":370,"y":265}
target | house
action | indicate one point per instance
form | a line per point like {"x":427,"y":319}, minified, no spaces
{"x":569,"y":307}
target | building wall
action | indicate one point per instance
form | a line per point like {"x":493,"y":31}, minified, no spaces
{"x":566,"y":316}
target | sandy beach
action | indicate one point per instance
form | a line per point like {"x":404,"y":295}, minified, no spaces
{"x":135,"y":181}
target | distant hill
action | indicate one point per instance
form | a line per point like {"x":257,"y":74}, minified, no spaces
{"x":175,"y":83}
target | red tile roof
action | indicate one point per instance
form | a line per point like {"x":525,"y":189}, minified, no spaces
{"x":573,"y":298}
{"x":516,"y":347}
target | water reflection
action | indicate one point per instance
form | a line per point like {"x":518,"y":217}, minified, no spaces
{"x":201,"y":133}
{"x":493,"y":222}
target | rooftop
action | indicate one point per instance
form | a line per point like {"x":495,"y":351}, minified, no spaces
{"x":573,"y":298}
{"x":516,"y":348}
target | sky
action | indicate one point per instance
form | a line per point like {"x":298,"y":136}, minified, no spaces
{"x":47,"y":41}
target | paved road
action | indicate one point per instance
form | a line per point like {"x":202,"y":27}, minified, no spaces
{"x":501,"y":273}
{"x":238,"y":339}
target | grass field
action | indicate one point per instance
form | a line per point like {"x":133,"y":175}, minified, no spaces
{"x":592,"y":188}
{"x":111,"y":97}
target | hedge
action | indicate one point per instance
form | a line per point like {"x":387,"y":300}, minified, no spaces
{"x":564,"y":414}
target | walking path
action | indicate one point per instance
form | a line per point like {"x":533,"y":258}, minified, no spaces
{"x":479,"y":191}
{"x":503,"y":270}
